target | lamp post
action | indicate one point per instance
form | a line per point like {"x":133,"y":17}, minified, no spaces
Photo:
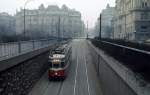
{"x":87,"y":30}
{"x":58,"y":29}
{"x":63,"y":29}
{"x":100,"y":26}
{"x":24,"y":28}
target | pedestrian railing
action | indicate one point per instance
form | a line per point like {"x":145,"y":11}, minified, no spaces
{"x":16,"y":48}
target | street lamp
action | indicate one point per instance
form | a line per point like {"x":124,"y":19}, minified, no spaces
{"x":24,"y":17}
{"x":58,"y":29}
{"x":87,"y":29}
{"x":100,"y":26}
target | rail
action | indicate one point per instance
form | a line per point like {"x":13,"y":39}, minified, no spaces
{"x":17,"y":48}
{"x":135,"y":59}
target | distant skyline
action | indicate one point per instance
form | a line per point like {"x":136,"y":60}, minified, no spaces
{"x":90,"y":9}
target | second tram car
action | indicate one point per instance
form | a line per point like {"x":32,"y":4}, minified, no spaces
{"x":59,"y":61}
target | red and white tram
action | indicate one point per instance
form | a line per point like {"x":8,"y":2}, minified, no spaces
{"x":60,"y":60}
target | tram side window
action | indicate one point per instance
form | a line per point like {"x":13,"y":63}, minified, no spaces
{"x":62,"y":64}
{"x":50,"y":64}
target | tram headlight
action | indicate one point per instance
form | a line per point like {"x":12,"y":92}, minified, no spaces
{"x":56,"y":73}
{"x":56,"y":60}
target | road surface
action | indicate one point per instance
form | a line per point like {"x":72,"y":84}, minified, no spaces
{"x":81,"y":80}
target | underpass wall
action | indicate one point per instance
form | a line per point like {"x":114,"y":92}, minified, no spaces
{"x":20,"y":73}
{"x":115,"y":79}
{"x":112,"y":83}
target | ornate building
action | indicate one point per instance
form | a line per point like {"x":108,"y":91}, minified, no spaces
{"x":48,"y":21}
{"x":107,"y":15}
{"x":7,"y":24}
{"x":132,"y":19}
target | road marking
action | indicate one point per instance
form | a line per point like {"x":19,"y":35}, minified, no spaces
{"x":75,"y":81}
{"x":87,"y":76}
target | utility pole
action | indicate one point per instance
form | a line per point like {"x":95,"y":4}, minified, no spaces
{"x":87,"y":29}
{"x":52,"y":24}
{"x":63,"y":31}
{"x":24,"y":27}
{"x":24,"y":19}
{"x":100,"y":26}
{"x":58,"y":28}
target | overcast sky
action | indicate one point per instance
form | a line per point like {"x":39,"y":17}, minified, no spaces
{"x":89,"y":9}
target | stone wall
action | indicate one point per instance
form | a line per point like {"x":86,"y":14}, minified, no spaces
{"x":19,"y":79}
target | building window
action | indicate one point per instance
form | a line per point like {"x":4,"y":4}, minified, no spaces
{"x":144,"y":4}
{"x":143,"y":31}
{"x":143,"y":27}
{"x":144,"y":15}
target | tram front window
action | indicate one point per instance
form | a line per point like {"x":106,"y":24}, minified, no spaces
{"x":61,"y":51}
{"x":56,"y":65}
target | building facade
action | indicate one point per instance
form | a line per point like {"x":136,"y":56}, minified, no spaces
{"x":97,"y":28}
{"x":132,"y":20}
{"x":107,"y":15}
{"x":7,"y":24}
{"x":50,"y":21}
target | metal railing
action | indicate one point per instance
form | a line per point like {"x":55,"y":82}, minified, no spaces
{"x":128,"y":81}
{"x":16,"y":48}
{"x":127,"y":55}
{"x":136,"y":59}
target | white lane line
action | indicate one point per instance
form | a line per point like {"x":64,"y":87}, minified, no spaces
{"x":75,"y":81}
{"x":87,"y":76}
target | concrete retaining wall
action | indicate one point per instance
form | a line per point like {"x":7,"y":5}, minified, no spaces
{"x":115,"y":78}
{"x":20,"y":73}
{"x":9,"y":62}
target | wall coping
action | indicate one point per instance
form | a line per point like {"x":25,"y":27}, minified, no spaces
{"x":134,"y":81}
{"x":15,"y":60}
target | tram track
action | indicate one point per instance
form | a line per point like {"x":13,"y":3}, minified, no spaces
{"x":81,"y":73}
{"x":86,"y":71}
{"x":59,"y":89}
{"x":46,"y":88}
{"x":87,"y":79}
{"x":81,"y":78}
{"x":76,"y":73}
{"x":75,"y":80}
